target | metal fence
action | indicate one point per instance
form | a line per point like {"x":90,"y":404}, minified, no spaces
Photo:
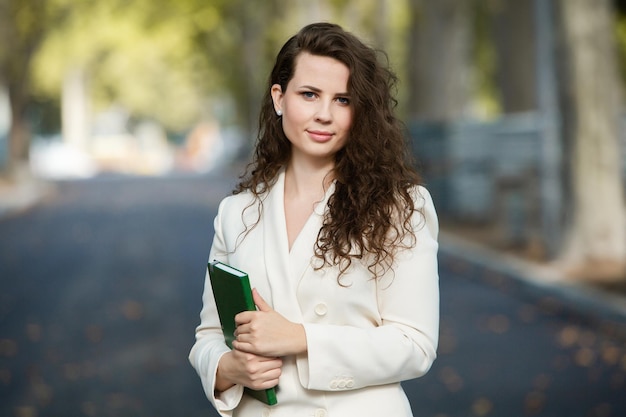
{"x":484,"y":172}
{"x":4,"y":142}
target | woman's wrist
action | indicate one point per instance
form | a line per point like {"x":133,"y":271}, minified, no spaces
{"x":221,"y":382}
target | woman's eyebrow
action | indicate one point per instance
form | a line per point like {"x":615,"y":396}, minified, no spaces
{"x":310,"y":87}
{"x":318,"y":90}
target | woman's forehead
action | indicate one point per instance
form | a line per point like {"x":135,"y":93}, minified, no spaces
{"x":318,"y":70}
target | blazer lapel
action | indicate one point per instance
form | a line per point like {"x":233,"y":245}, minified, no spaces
{"x":285,"y":269}
{"x":303,"y":249}
{"x":276,"y":252}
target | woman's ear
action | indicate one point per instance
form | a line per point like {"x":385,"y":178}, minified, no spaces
{"x":277,"y":98}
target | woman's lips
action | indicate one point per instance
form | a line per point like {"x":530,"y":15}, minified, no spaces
{"x":319,"y":135}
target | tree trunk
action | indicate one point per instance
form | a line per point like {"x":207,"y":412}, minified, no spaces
{"x":596,"y":245}
{"x":21,"y":43}
{"x":75,"y":109}
{"x":381,"y":25}
{"x":251,"y":62}
{"x":19,"y":132}
{"x":513,"y":36}
{"x":439,"y":59}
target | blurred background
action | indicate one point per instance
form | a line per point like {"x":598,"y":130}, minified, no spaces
{"x":123,"y":123}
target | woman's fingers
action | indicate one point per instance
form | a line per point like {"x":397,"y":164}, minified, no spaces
{"x":257,"y":372}
{"x":260,"y":302}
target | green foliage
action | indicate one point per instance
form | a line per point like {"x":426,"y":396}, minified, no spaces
{"x":172,"y":61}
{"x":133,"y":56}
{"x":167,"y":60}
{"x":484,"y":55}
{"x":23,"y":25}
{"x":620,"y":29}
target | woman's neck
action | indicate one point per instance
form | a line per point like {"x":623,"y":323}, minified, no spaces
{"x":305,"y":186}
{"x":307,"y":180}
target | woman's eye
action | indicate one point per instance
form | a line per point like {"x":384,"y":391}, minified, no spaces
{"x":343,"y":100}
{"x":308,"y":94}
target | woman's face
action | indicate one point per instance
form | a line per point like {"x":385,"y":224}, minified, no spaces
{"x":316,"y":108}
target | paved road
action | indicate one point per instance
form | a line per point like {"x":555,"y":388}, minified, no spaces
{"x":100,"y":292}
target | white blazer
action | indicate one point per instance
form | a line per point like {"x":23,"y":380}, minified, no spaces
{"x":363,"y":337}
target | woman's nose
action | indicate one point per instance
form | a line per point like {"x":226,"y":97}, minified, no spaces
{"x":324,"y":112}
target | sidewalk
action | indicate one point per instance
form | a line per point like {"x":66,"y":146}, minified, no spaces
{"x":540,"y":281}
{"x":15,"y":197}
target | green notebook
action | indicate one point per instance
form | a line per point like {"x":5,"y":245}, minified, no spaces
{"x":232,"y":292}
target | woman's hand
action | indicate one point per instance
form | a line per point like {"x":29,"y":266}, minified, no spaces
{"x":265,"y":332}
{"x":247,"y":369}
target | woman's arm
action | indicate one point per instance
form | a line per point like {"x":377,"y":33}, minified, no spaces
{"x":402,"y":343}
{"x":207,"y":354}
{"x":223,"y":372}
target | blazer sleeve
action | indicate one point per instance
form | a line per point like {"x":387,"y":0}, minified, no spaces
{"x":210,"y":344}
{"x":403,"y":345}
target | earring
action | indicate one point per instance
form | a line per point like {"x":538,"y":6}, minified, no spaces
{"x":279,"y":113}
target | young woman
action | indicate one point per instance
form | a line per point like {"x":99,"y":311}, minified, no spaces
{"x":338,"y":239}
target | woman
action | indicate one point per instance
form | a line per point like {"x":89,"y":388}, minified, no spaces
{"x":338,"y":239}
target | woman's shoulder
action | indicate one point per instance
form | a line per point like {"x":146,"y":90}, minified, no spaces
{"x":421,"y":196}
{"x":237,"y":208}
{"x":425,"y":213}
{"x":239,"y":200}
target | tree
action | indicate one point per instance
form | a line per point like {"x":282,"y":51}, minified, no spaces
{"x":591,"y":106}
{"x":439,"y":59}
{"x":137,"y":54}
{"x":513,"y":35}
{"x":23,"y":26}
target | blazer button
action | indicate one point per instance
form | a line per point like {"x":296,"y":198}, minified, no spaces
{"x":320,"y":412}
{"x":321,"y":309}
{"x":350,"y":383}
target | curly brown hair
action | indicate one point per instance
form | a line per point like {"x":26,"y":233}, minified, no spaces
{"x":369,"y":213}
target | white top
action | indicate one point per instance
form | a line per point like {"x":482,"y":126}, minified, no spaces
{"x":363,"y":338}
